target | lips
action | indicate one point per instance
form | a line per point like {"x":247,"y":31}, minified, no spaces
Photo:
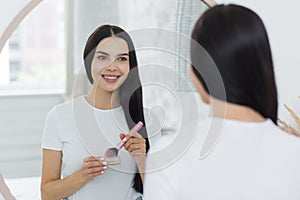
{"x":110,"y":78}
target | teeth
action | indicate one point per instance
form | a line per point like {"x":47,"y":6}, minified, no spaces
{"x":110,"y":77}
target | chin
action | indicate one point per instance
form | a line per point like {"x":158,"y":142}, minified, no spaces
{"x":108,"y":89}
{"x":111,"y":89}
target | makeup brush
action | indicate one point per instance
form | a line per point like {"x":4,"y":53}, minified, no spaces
{"x":114,"y":151}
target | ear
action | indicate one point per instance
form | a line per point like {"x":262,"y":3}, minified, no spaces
{"x":200,"y":89}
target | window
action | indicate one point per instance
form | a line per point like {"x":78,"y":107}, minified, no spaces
{"x":34,"y":59}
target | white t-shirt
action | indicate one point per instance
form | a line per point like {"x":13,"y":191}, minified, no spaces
{"x":249,"y":161}
{"x":80,"y":130}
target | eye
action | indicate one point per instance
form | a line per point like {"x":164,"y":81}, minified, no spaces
{"x":101,"y":57}
{"x":122,"y":59}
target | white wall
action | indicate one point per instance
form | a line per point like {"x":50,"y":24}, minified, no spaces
{"x":9,"y":10}
{"x":22,"y":118}
{"x":22,"y":122}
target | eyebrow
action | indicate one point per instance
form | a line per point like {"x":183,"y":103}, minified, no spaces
{"x":121,"y":54}
{"x":102,"y":52}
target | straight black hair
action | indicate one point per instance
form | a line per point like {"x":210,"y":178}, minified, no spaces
{"x":131,"y":97}
{"x":236,"y":39}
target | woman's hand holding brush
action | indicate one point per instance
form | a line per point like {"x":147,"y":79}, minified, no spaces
{"x":135,"y":144}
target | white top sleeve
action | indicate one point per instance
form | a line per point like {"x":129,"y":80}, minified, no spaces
{"x":51,"y":136}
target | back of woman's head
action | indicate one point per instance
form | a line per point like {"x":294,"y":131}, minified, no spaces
{"x":237,"y":41}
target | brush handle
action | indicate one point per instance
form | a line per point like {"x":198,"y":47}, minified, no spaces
{"x":137,"y":127}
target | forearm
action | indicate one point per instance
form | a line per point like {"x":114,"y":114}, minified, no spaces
{"x":141,"y":162}
{"x":4,"y":190}
{"x":59,"y":189}
{"x":136,"y":146}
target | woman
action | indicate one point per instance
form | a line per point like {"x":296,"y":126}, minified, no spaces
{"x":77,"y":133}
{"x":252,"y":158}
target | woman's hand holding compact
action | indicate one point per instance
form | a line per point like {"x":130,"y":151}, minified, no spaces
{"x":93,"y":166}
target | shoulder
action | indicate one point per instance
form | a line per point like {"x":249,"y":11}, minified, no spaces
{"x":279,"y":141}
{"x":171,"y":150}
{"x":66,"y":107}
{"x":275,"y":134}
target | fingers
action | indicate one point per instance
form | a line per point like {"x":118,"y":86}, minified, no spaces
{"x":134,"y":133}
{"x":93,"y":166}
{"x":122,"y":136}
{"x":92,"y":158}
{"x":135,"y":145}
{"x":285,"y":127}
{"x":131,"y":134}
{"x":136,"y":148}
{"x":281,"y":122}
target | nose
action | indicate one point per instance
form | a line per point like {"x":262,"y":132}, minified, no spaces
{"x":112,"y":66}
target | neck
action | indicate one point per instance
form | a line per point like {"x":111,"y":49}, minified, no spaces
{"x":102,"y":99}
{"x":227,"y":110}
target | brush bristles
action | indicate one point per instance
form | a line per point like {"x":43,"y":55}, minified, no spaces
{"x":112,"y":152}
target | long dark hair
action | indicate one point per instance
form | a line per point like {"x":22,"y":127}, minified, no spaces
{"x":131,"y":90}
{"x":237,"y":41}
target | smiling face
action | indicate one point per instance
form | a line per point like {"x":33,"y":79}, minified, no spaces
{"x":110,"y":64}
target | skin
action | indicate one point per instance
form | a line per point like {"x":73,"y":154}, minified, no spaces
{"x":223,"y":109}
{"x":288,"y":128}
{"x":4,"y":190}
{"x":111,"y":60}
{"x":136,"y":146}
{"x":210,"y":3}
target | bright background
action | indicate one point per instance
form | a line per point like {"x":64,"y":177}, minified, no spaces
{"x":47,"y":74}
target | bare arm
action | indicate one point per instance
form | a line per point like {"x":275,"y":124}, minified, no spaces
{"x":4,"y":190}
{"x":136,"y":146}
{"x":53,"y":187}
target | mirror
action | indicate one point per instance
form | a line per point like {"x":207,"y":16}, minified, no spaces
{"x":23,"y":113}
{"x":24,"y":108}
